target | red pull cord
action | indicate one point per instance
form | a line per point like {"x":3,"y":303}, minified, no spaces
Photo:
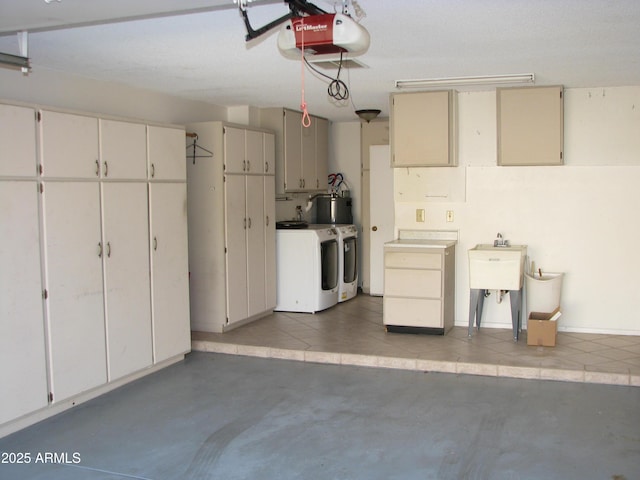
{"x":306,"y":119}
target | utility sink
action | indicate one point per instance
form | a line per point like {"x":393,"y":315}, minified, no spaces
{"x":497,"y":267}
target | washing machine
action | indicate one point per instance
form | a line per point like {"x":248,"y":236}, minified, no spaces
{"x":347,"y":262}
{"x":306,"y":268}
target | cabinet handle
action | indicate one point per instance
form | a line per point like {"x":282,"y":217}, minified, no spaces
{"x":248,"y":165}
{"x":99,"y":249}
{"x":267,"y":220}
{"x":245,"y":223}
{"x":153,"y":170}
{"x":249,"y":222}
{"x":155,"y":243}
{"x":266,"y":166}
{"x":244,"y":165}
{"x":97,"y":168}
{"x":106,"y":169}
{"x":374,"y":228}
{"x":108,"y":249}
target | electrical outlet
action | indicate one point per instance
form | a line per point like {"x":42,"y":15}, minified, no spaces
{"x":449,"y":215}
{"x":419,"y":214}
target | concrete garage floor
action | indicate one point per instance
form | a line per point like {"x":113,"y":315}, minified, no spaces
{"x":217,"y":416}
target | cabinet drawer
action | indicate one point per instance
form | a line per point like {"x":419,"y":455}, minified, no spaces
{"x":413,"y":283}
{"x":412,"y":260}
{"x":412,"y":312}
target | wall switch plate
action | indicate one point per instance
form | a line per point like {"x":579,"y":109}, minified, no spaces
{"x":419,"y":214}
{"x":449,"y":215}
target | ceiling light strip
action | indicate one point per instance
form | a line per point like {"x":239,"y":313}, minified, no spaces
{"x":461,"y":81}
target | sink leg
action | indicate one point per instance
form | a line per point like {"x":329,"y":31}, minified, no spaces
{"x":476,"y":302}
{"x":515,"y":297}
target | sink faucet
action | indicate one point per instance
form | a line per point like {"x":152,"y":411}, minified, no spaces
{"x":499,"y":242}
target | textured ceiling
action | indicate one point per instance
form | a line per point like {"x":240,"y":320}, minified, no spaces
{"x":196,"y":49}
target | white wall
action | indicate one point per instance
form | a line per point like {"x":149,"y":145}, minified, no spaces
{"x":580,"y":218}
{"x":56,"y":89}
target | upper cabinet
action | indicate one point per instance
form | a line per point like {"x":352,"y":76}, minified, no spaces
{"x":301,"y":152}
{"x":166,"y":149}
{"x":123,"y":150}
{"x":530,"y":125}
{"x":423,"y":129}
{"x":68,"y":145}
{"x":17,"y":141}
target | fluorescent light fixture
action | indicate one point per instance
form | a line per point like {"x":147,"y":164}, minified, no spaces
{"x":461,"y":81}
{"x":14,"y":61}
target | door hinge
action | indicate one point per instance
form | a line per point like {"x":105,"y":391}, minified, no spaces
{"x":560,"y":93}
{"x":39,"y":116}
{"x":50,"y":397}
{"x":41,"y":187}
{"x":40,"y":169}
{"x":560,"y":155}
{"x":45,"y":294}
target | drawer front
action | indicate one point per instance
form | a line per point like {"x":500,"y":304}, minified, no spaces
{"x":413,"y":283}
{"x":411,"y":312}
{"x":412,"y":260}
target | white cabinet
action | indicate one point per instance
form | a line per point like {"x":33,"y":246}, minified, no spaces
{"x":17,"y":141}
{"x":169,"y":269}
{"x":530,"y":125}
{"x":419,"y":284}
{"x":127,"y":286}
{"x":423,"y":129}
{"x":123,"y":150}
{"x":75,"y":303}
{"x":68,"y":145}
{"x":166,"y":153}
{"x":301,"y":153}
{"x":231,"y":249}
{"x":93,"y":256}
{"x":22,"y":341}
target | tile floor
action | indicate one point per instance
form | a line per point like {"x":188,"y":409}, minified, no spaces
{"x":352,"y":333}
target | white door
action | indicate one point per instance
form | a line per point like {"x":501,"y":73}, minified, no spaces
{"x":17,"y":141}
{"x":382,"y":213}
{"x":69,"y":145}
{"x":254,"y":152}
{"x":256,"y":288}
{"x":166,"y":149}
{"x":292,"y":150}
{"x":123,"y":150}
{"x":169,"y":270}
{"x":236,"y":224}
{"x":270,"y":240}
{"x":22,"y":342}
{"x":234,"y":150}
{"x":127,"y":281}
{"x":75,"y":308}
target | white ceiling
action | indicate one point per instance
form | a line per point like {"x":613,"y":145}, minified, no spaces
{"x":196,"y":49}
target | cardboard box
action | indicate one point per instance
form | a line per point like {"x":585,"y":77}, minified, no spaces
{"x":542,"y":328}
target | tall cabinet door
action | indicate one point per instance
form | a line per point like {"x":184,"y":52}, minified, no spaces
{"x":75,"y":309}
{"x":255,"y":245}
{"x":236,"y":224}
{"x":169,"y":269}
{"x":22,"y":342}
{"x":69,"y":145}
{"x":270,"y":241}
{"x":292,"y":150}
{"x":309,"y":176}
{"x":127,"y":282}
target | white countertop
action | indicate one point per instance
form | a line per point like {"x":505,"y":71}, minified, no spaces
{"x":420,"y":243}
